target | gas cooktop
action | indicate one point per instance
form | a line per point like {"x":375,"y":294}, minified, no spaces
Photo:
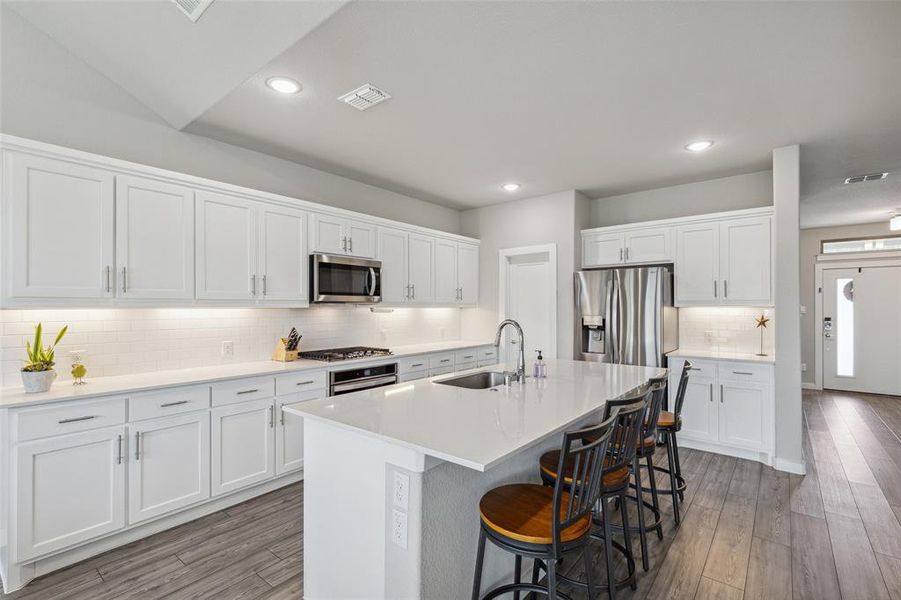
{"x":333,"y":354}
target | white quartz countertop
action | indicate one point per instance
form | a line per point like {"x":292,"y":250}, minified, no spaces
{"x":478,"y":428}
{"x":719,"y":355}
{"x":125,"y":384}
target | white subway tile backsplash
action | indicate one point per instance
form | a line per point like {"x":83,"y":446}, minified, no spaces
{"x":122,"y":341}
{"x":725,"y":328}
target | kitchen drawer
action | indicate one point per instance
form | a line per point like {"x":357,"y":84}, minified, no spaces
{"x":699,"y":367}
{"x":242,"y":390}
{"x":734,"y":371}
{"x":440,"y":371}
{"x":441,"y":361}
{"x":487,"y":354}
{"x":462,"y":357}
{"x":300,"y":382}
{"x":68,"y":417}
{"x":409,"y":364}
{"x":168,"y":402}
{"x":412,"y":376}
{"x":465,"y":366}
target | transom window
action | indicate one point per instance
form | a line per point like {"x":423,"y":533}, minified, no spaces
{"x":862,"y":245}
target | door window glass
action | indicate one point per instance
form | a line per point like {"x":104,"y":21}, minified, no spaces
{"x":844,"y":313}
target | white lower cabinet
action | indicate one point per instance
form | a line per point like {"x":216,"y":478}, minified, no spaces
{"x":70,"y":489}
{"x":243,"y":450}
{"x":743,"y":420}
{"x":289,"y":431}
{"x":698,"y":409}
{"x":169,"y":464}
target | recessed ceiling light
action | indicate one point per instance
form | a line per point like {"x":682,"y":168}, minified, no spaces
{"x":511,"y":187}
{"x":283,"y":85}
{"x":699,"y":146}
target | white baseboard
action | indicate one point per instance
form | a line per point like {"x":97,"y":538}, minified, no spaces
{"x":809,"y":386}
{"x":789,"y":466}
{"x":762,"y":457}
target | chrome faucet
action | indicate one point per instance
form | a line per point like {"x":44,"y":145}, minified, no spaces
{"x":520,"y":373}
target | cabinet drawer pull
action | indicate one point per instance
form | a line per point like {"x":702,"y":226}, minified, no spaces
{"x":445,"y":360}
{"x":76,"y":419}
{"x":417,"y":365}
{"x":468,"y":356}
{"x":168,"y":404}
{"x":242,"y":392}
{"x":695,"y":369}
{"x":305,"y":382}
{"x":742,"y":373}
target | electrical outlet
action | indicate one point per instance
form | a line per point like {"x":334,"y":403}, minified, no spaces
{"x":803,"y":367}
{"x":803,"y":310}
{"x":399,"y":528}
{"x":401,"y":495}
{"x":228,"y":349}
{"x":708,"y":337}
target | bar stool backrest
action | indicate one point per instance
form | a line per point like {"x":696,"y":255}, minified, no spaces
{"x":680,"y":392}
{"x":657,"y":388}
{"x":629,"y":414}
{"x":585,"y":450}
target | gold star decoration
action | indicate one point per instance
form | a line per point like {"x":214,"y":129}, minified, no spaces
{"x":762,"y":320}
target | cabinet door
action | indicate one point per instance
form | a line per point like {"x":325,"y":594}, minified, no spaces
{"x":283,"y":256}
{"x":169,"y":464}
{"x":697,"y":264}
{"x":600,"y":249}
{"x":393,"y":252}
{"x":468,"y":273}
{"x":746,"y":261}
{"x":226,"y":247}
{"x":289,"y":432}
{"x":60,"y":228}
{"x":154,"y":239}
{"x":360,"y":239}
{"x":743,"y":421}
{"x":699,"y":410}
{"x":243,"y":447}
{"x":649,"y":245}
{"x":422,"y":269}
{"x":69,"y":489}
{"x":327,"y":234}
{"x":446,"y":280}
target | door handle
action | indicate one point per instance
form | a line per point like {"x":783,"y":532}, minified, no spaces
{"x":271,"y":417}
{"x":721,"y":393}
{"x":627,"y":254}
{"x":253,"y":285}
{"x":119,"y":450}
{"x":282,"y":416}
{"x":108,"y":285}
{"x":711,"y":392}
{"x":620,"y":255}
{"x":138,"y":446}
{"x":714,"y":288}
{"x":725,"y":288}
{"x":350,"y":242}
{"x":124,"y":280}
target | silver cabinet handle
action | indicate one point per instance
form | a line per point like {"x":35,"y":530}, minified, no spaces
{"x":694,"y":368}
{"x":711,"y":392}
{"x":350,"y":244}
{"x":725,"y":288}
{"x":138,"y":446}
{"x":714,"y":288}
{"x":305,"y":382}
{"x":468,"y":356}
{"x":418,"y":365}
{"x":344,"y":243}
{"x":119,"y":450}
{"x":108,"y":280}
{"x":721,"y":393}
{"x":742,"y":373}
{"x":242,"y":392}
{"x":168,"y":404}
{"x":620,"y":255}
{"x":124,"y":280}
{"x":253,"y":285}
{"x":76,"y":419}
{"x":444,"y":360}
{"x":627,"y":254}
{"x":264,"y":285}
{"x":271,"y":417}
{"x":281,"y":417}
{"x":413,"y":291}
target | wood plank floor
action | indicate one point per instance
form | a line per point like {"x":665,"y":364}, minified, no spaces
{"x":748,"y":531}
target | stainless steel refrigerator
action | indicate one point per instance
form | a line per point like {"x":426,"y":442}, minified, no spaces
{"x":626,"y":315}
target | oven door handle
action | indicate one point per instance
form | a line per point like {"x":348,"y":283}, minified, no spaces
{"x":362,"y":385}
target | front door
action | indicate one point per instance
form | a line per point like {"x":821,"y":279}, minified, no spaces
{"x":861,"y":329}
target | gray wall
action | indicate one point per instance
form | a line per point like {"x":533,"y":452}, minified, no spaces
{"x":48,"y":94}
{"x":714,"y":195}
{"x":542,"y":220}
{"x":810,"y":247}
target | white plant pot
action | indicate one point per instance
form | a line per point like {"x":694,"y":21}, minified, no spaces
{"x":38,"y":381}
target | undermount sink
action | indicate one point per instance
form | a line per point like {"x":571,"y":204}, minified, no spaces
{"x":476,"y":381}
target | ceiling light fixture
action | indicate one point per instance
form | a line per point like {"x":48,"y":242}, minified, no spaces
{"x":510,"y":187}
{"x":894,"y":224}
{"x":283,"y":85}
{"x":699,"y":146}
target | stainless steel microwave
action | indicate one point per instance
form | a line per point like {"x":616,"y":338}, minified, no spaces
{"x":335,"y":278}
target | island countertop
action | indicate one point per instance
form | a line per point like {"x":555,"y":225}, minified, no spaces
{"x":478,"y":428}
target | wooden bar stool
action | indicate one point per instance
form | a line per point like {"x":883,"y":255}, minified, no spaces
{"x":668,"y":424}
{"x":535,"y":521}
{"x":628,"y":415}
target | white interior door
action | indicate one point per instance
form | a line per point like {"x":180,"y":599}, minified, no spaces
{"x":861,"y":329}
{"x":530,"y":299}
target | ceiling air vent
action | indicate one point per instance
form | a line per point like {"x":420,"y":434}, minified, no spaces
{"x":365,"y":96}
{"x":867,"y":177}
{"x":193,"y":8}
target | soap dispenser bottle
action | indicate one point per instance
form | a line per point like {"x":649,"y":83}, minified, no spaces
{"x":539,"y":371}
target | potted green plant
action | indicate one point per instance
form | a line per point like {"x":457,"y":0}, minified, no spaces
{"x":38,"y":373}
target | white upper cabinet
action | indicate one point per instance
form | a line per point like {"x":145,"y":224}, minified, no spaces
{"x":283,"y":259}
{"x":746,"y":261}
{"x":59,"y":219}
{"x":654,"y":244}
{"x":336,"y":235}
{"x":226,"y":247}
{"x":446,"y":283}
{"x":603,"y":249}
{"x":154,"y":239}
{"x":697,"y":264}
{"x":422,"y":269}
{"x":393,"y":251}
{"x":468,"y":273}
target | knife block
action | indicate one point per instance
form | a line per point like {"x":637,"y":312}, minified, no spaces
{"x":281,"y":352}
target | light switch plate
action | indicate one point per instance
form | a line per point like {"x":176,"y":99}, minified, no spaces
{"x":400,"y":496}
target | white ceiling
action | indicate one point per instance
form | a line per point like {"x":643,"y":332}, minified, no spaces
{"x":175,"y":67}
{"x":596,"y":96}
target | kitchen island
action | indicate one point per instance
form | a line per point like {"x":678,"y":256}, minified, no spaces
{"x":393,"y":475}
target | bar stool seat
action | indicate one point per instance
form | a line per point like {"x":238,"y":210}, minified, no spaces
{"x":548,"y":465}
{"x":523,"y":512}
{"x":668,"y":420}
